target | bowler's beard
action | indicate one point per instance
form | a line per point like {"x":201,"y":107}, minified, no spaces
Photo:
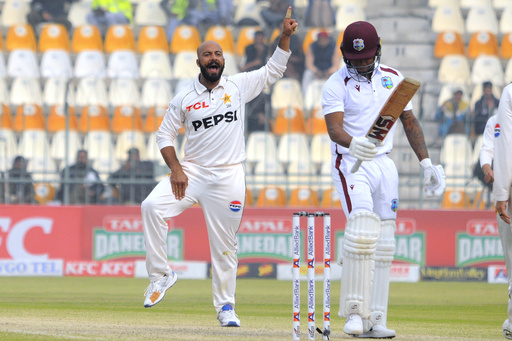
{"x":212,"y":78}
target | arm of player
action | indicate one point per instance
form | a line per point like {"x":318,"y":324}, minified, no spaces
{"x":359,"y":147}
{"x":434,"y":178}
{"x":178,"y":178}
{"x":487,"y":150}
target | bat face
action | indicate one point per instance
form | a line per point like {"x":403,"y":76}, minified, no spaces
{"x":381,"y":128}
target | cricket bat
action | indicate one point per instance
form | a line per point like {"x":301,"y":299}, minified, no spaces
{"x":390,"y":113}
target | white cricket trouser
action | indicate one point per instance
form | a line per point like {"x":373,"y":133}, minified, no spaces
{"x":373,"y":188}
{"x":217,"y":190}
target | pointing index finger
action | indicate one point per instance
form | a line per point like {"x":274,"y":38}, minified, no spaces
{"x":289,"y":13}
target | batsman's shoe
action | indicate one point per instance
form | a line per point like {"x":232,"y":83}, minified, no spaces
{"x":507,"y":329}
{"x":354,"y":325}
{"x":227,"y":317}
{"x":378,"y":332}
{"x":155,"y":292}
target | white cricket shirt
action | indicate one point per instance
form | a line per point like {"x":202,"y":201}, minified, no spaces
{"x":360,"y":102}
{"x":214,"y":120}
{"x":503,"y":147}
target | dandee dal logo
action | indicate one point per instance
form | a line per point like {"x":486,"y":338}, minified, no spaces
{"x":235,"y":206}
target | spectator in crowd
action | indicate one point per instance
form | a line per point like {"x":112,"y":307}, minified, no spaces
{"x":295,"y":66}
{"x":322,"y":59}
{"x":484,"y":108}
{"x":176,"y":12}
{"x":256,"y":54}
{"x":16,"y":185}
{"x":82,"y":181}
{"x":106,"y":13}
{"x":134,"y":180}
{"x":49,"y":11}
{"x":319,"y":14}
{"x":272,"y":13}
{"x":453,"y":115}
{"x":210,"y":12}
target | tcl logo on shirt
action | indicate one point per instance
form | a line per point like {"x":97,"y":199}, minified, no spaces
{"x":211,"y":121}
{"x":197,"y":106}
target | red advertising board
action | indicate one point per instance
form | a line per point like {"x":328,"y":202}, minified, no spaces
{"x":39,"y":232}
{"x":115,"y":233}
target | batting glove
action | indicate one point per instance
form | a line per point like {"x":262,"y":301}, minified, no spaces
{"x":433,"y":179}
{"x":362,"y":149}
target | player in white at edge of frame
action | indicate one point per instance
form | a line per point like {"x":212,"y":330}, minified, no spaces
{"x":502,"y":131}
{"x":351,"y":101}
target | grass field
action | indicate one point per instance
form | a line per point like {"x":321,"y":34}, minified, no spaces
{"x":69,"y":308}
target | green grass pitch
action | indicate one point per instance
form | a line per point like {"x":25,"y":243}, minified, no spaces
{"x":72,"y":308}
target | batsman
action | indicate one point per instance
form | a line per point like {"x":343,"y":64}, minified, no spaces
{"x":362,"y":97}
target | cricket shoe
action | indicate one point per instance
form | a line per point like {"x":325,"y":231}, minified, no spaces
{"x":378,"y":332}
{"x":354,"y":325}
{"x":155,"y":292}
{"x":227,"y":317}
{"x":507,"y":329}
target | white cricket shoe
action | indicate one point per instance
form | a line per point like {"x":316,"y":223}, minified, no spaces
{"x":227,"y":317}
{"x":354,"y":325}
{"x":378,"y":332}
{"x":507,"y":329}
{"x":155,"y":292}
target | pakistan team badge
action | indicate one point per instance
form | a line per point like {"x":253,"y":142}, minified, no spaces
{"x":387,"y":82}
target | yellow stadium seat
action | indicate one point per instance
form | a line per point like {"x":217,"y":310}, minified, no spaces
{"x":152,"y":38}
{"x":57,"y":119}
{"x":483,"y":43}
{"x":5,"y":117}
{"x":286,"y":92}
{"x":44,"y":192}
{"x":20,"y":37}
{"x":119,"y":37}
{"x":126,"y":118}
{"x":347,"y":14}
{"x":9,"y":148}
{"x":321,"y":148}
{"x":245,"y":38}
{"x":303,"y":197}
{"x":455,"y":198}
{"x":223,"y":36}
{"x":29,"y":117}
{"x":449,"y":42}
{"x":316,"y":123}
{"x":130,"y":139}
{"x":1,"y":41}
{"x":454,"y":69}
{"x":289,"y":120}
{"x":94,"y":118}
{"x":54,"y":37}
{"x":68,"y":138}
{"x":153,"y":119}
{"x":185,"y":38}
{"x":482,"y":19}
{"x":86,"y":37}
{"x":330,"y":198}
{"x":506,"y":46}
{"x":271,"y":197}
{"x":249,"y":198}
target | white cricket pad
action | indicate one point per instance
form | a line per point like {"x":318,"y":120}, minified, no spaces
{"x":383,"y":259}
{"x":360,"y":242}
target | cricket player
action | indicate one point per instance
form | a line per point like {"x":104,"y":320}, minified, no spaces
{"x":212,"y":173}
{"x":351,"y":101}
{"x":502,"y":187}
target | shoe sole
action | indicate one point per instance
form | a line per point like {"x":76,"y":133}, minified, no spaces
{"x":231,"y":324}
{"x":171,"y":283}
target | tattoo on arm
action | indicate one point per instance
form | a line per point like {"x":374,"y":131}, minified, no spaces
{"x":414,"y":134}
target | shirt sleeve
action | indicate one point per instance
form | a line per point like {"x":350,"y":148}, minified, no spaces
{"x":487,"y":150}
{"x":502,"y":147}
{"x":171,"y":124}
{"x":252,"y":83}
{"x":333,"y":95}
